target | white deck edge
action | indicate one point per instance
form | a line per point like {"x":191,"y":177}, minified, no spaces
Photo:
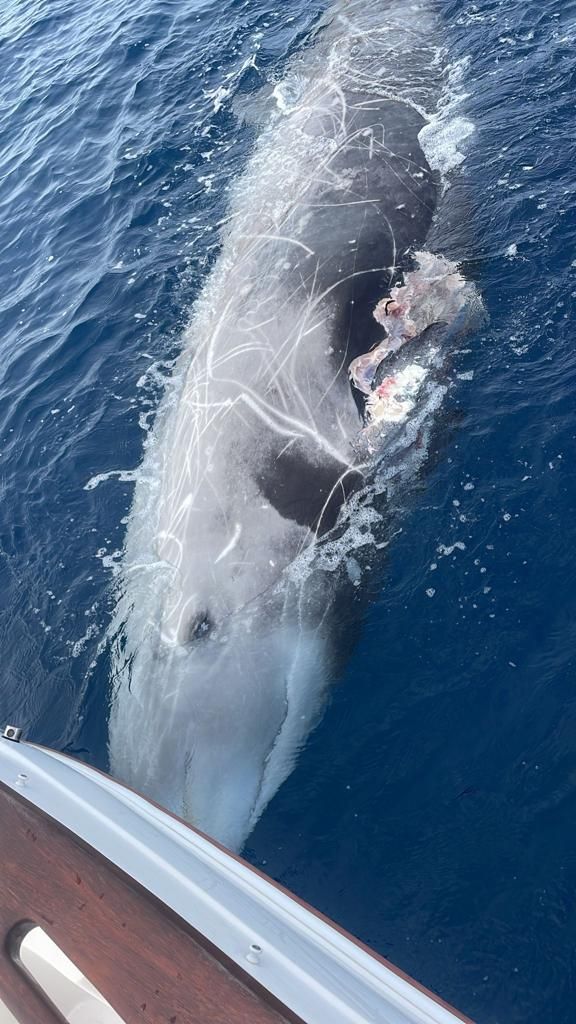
{"x":314,"y":970}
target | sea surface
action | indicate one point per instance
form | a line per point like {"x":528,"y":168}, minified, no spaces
{"x":433,"y":811}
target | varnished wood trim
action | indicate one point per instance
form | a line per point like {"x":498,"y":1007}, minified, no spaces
{"x":146,"y":961}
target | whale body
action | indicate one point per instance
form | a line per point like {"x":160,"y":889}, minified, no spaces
{"x":225,"y":644}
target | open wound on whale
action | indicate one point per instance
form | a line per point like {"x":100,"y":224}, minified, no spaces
{"x":434,"y":293}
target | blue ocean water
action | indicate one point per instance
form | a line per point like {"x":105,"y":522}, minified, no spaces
{"x":432,"y":812}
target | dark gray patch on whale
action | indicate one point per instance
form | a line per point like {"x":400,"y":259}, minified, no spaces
{"x":386,"y":207}
{"x":309,"y":491}
{"x":421,"y":349}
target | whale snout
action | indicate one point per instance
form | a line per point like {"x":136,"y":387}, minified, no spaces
{"x":231,"y":707}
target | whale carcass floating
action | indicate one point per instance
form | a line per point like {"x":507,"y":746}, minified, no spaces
{"x":316,"y":353}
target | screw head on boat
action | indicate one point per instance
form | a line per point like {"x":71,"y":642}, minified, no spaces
{"x":253,"y":954}
{"x":12,"y":732}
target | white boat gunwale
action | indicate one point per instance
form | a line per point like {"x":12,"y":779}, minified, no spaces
{"x":308,"y":965}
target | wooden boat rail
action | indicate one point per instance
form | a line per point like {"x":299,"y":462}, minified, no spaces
{"x":147,"y":962}
{"x":169,"y":927}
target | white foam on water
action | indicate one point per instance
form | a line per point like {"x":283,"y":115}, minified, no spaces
{"x":126,"y":476}
{"x":287,"y":94}
{"x":77,"y":646}
{"x":449,"y":549}
{"x":443,"y":142}
{"x":359,"y":525}
{"x":445,"y":139}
